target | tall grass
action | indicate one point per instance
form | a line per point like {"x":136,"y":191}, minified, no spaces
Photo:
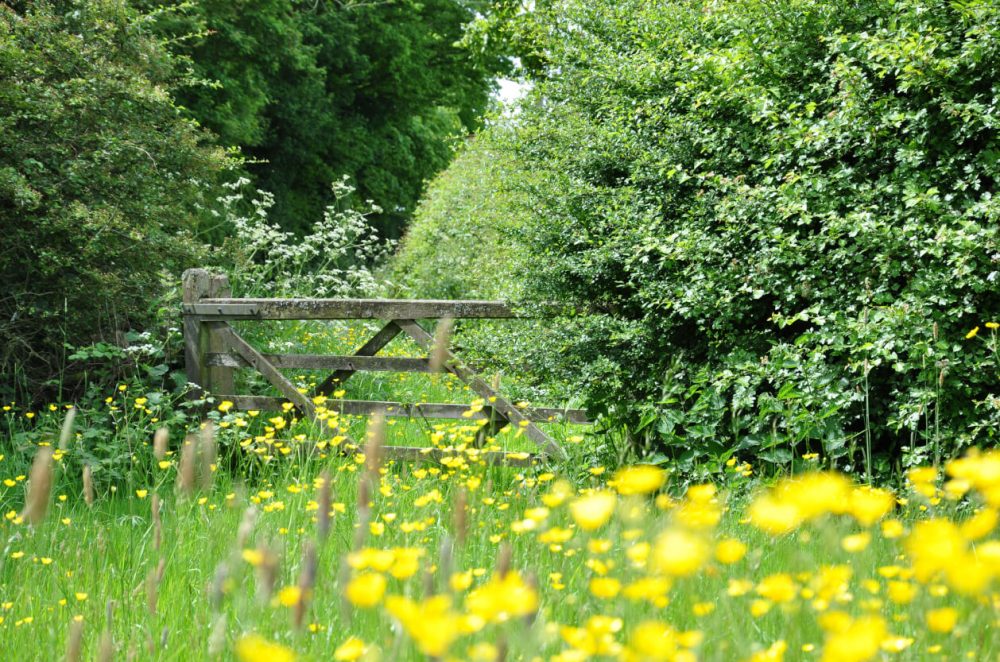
{"x":187,"y":571}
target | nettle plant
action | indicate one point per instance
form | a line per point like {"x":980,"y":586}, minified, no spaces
{"x":334,"y":259}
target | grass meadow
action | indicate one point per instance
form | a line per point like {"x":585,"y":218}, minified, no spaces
{"x":259,"y":537}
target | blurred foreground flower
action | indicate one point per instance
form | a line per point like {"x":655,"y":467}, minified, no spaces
{"x":254,"y":648}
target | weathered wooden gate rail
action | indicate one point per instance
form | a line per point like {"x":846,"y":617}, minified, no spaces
{"x":213,"y":350}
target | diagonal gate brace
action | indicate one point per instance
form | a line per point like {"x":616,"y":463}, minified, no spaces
{"x":259,"y":362}
{"x":370,"y":348}
{"x":500,"y":404}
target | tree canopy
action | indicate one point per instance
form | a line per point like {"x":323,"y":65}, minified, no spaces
{"x":315,"y":90}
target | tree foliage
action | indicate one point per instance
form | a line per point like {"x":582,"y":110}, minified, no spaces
{"x":316,"y":90}
{"x":783,"y":213}
{"x":101,"y":180}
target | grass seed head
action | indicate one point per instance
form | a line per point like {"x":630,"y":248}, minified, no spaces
{"x":67,"y":429}
{"x":217,"y":639}
{"x":461,"y":516}
{"x":74,"y":642}
{"x":154,"y":505}
{"x":324,"y":500}
{"x":217,"y":589}
{"x":504,"y":560}
{"x":208,"y":452}
{"x":106,"y":648}
{"x":364,"y":510}
{"x":442,"y":339}
{"x":88,"y":486}
{"x":446,"y":555}
{"x":40,"y":487}
{"x":186,"y":471}
{"x":153,"y":580}
{"x":428,"y":582}
{"x":160,"y":442}
{"x":373,"y":448}
{"x":246,"y":527}
{"x":267,"y":574}
{"x":307,"y":582}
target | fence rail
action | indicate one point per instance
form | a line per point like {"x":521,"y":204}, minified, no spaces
{"x":345,"y":309}
{"x":214,"y":350}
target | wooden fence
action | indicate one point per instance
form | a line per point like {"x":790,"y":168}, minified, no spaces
{"x":214,"y":350}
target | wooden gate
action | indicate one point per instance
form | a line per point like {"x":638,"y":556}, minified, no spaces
{"x":213,"y":350}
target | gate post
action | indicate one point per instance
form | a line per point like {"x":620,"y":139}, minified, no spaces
{"x":219,"y":378}
{"x":196,"y":283}
{"x":199,"y":339}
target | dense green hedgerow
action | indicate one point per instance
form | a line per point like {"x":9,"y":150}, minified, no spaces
{"x":459,"y":244}
{"x":463,"y":244}
{"x":783,"y":214}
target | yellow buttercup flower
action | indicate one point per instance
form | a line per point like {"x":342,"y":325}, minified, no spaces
{"x":289,"y":596}
{"x":774,"y":516}
{"x":405,"y":562}
{"x":502,"y":598}
{"x":980,"y":525}
{"x":431,"y":623}
{"x":892,"y":528}
{"x":934,"y":545}
{"x":901,"y":593}
{"x":254,"y":648}
{"x":773,"y":653}
{"x":857,"y":542}
{"x":597,"y":637}
{"x":850,"y":640}
{"x":460,"y":581}
{"x":640,"y":479}
{"x":942,"y":620}
{"x":366,"y":590}
{"x":253,"y":556}
{"x":605,"y":587}
{"x":379,"y":560}
{"x":816,"y":494}
{"x":555,"y":536}
{"x":729,"y":551}
{"x":778,"y":587}
{"x":352,"y":649}
{"x":702,"y":608}
{"x":654,"y":640}
{"x":593,"y":510}
{"x":831,"y":582}
{"x":679,"y":553}
{"x":868,"y":505}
